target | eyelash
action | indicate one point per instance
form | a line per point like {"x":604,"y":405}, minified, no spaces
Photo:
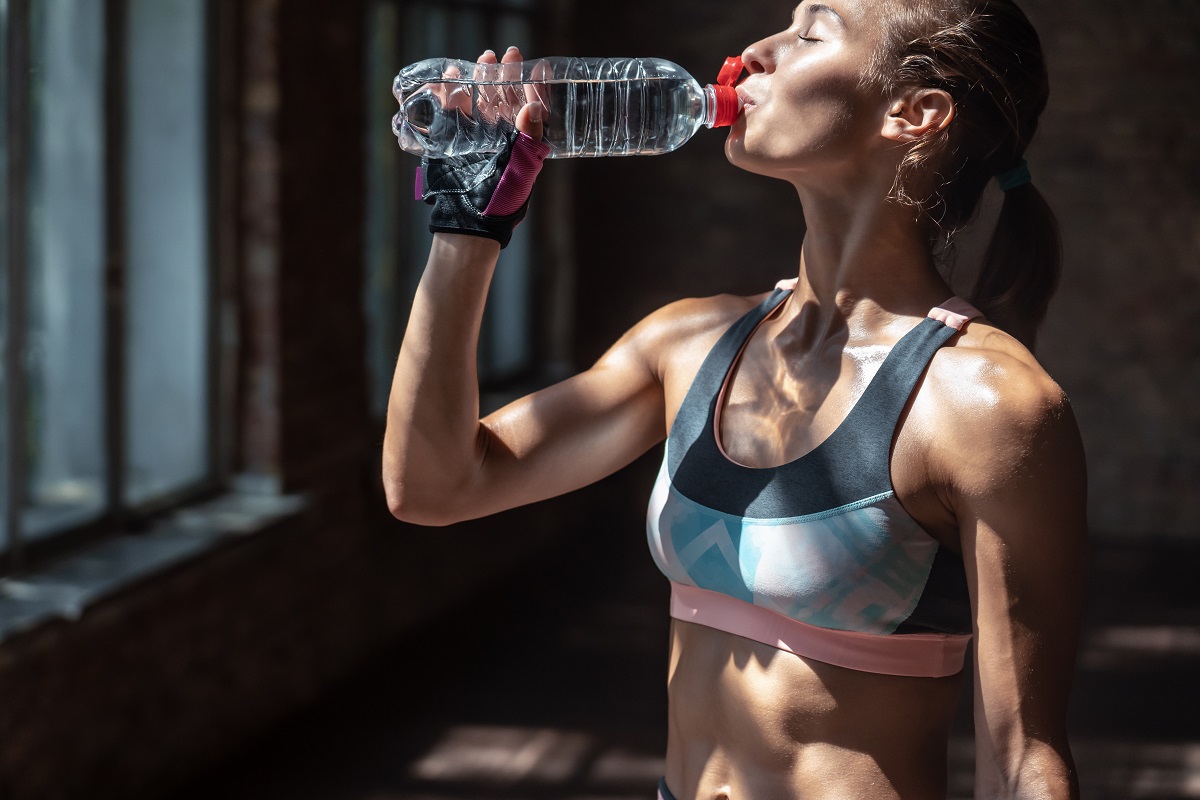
{"x":806,"y":39}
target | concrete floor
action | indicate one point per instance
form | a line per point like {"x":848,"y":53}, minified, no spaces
{"x":545,"y":693}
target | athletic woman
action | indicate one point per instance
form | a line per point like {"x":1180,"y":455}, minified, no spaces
{"x":864,"y":475}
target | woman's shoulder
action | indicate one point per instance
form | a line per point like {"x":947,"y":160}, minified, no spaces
{"x":675,"y":338}
{"x":991,"y":398}
{"x":691,"y":325}
{"x":697,"y":315}
{"x":988,"y":369}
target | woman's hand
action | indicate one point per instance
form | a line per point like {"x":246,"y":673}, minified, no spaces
{"x":488,"y":194}
{"x":497,"y":104}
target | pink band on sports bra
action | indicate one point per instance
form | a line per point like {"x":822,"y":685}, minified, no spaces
{"x":955,"y":312}
{"x":922,"y":655}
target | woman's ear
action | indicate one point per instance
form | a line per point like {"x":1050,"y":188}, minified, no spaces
{"x":918,"y":113}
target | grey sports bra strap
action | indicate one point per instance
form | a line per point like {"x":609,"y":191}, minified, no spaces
{"x":700,"y":402}
{"x":868,"y":430}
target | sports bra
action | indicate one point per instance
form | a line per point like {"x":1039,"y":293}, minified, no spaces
{"x":816,"y":556}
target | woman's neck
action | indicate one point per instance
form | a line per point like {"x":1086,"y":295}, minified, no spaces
{"x":864,"y":263}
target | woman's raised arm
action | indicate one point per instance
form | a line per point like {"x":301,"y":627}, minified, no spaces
{"x":442,"y":464}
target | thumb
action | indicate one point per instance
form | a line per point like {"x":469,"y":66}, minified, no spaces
{"x":529,"y":120}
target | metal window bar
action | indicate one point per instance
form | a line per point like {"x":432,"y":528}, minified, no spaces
{"x":115,"y":13}
{"x":221,"y":93}
{"x":16,"y":124}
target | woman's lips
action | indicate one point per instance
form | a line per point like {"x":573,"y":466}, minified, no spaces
{"x":747,"y":101}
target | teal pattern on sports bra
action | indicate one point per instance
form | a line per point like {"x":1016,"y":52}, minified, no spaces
{"x":861,"y":567}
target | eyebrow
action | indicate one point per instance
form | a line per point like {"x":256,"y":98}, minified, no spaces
{"x":821,"y":8}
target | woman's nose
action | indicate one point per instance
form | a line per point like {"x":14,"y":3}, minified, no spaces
{"x":757,"y":57}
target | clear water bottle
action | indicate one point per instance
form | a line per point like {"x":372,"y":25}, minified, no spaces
{"x":594,"y":106}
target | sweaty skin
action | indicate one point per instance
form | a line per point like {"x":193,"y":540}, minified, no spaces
{"x":987,"y":456}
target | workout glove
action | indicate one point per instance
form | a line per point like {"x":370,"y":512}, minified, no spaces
{"x":484,"y":194}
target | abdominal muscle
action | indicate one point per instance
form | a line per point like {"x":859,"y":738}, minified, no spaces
{"x":749,"y":722}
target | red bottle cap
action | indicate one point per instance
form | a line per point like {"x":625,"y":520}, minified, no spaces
{"x":728,"y":105}
{"x":731,"y":70}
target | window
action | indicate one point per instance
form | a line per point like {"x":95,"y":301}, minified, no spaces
{"x":398,"y":239}
{"x":105,"y":270}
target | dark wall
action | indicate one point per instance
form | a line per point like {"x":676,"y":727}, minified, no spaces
{"x":1118,"y":157}
{"x":685,"y":224}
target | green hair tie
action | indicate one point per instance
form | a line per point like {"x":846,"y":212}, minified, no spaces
{"x":1015,"y":177}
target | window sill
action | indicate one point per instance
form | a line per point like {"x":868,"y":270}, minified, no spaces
{"x":63,"y":591}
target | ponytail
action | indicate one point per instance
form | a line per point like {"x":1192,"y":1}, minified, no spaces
{"x":1022,"y":266}
{"x":988,"y":57}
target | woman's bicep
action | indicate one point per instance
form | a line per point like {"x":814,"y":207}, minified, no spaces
{"x":579,"y":431}
{"x":576,"y":432}
{"x":570,"y":434}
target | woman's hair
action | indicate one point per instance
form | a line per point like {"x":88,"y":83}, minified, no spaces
{"x":988,"y":57}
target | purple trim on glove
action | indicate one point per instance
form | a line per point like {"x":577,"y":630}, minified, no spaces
{"x":516,"y":183}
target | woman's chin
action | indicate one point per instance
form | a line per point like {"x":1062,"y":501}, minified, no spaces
{"x":737,"y":155}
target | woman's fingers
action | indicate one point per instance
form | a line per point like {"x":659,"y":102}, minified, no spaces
{"x":501,"y":96}
{"x":530,"y":119}
{"x":485,"y":77}
{"x":453,"y":95}
{"x":510,"y":72}
{"x":539,"y":92}
{"x":525,"y":100}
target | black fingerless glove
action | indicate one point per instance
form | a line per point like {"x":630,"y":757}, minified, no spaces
{"x":484,"y":194}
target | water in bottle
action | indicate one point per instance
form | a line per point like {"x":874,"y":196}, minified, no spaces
{"x":594,"y":106}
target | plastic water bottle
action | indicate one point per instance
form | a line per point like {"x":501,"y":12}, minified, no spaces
{"x":594,"y":106}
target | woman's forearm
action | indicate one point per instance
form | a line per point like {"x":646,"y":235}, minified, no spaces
{"x":431,"y":446}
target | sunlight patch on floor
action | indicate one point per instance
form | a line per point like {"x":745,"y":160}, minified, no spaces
{"x":616,"y":765}
{"x":1131,"y":645}
{"x":503,"y":754}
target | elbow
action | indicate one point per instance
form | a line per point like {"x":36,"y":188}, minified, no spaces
{"x":429,"y":493}
{"x":406,"y":508}
{"x":417,"y":507}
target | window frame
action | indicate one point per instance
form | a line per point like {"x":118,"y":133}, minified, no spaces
{"x":20,"y":554}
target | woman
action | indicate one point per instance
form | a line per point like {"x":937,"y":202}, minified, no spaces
{"x":854,"y":485}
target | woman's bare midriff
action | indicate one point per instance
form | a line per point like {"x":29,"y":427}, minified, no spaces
{"x":749,"y":722}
